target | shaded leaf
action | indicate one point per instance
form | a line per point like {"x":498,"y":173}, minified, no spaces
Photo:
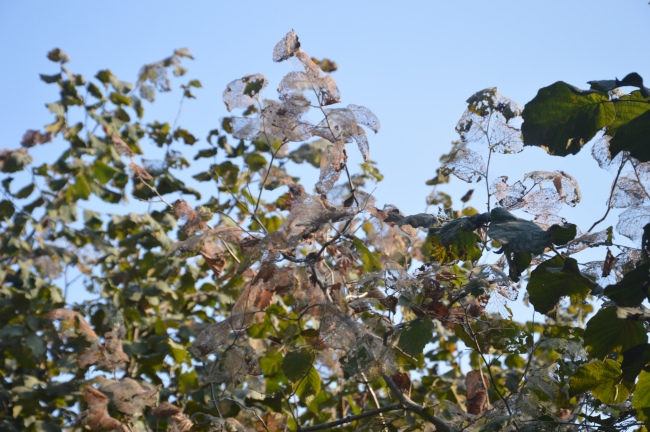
{"x":603,"y":380}
{"x":606,"y":333}
{"x":562,"y":118}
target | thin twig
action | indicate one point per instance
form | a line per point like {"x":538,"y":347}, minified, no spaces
{"x":611,"y":195}
{"x":407,"y":403}
{"x":350,"y":419}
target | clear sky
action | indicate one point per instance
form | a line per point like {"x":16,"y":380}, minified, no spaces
{"x":413,"y":63}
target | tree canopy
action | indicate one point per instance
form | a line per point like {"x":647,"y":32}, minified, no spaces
{"x":257,"y":303}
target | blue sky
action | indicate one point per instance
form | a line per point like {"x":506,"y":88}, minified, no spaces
{"x":413,"y":63}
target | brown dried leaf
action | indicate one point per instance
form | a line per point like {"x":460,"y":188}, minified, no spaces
{"x":138,"y":172}
{"x":181,"y":422}
{"x":476,"y":385}
{"x":96,"y":416}
{"x":609,"y":263}
{"x":183,"y":211}
{"x":74,"y":322}
{"x":33,"y":137}
{"x":275,"y":422}
{"x":323,"y":84}
{"x":128,"y":396}
{"x":403,"y":381}
{"x":242,"y":92}
{"x":121,"y":147}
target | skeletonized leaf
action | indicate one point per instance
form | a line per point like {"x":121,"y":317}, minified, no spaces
{"x":632,"y":221}
{"x":629,"y":192}
{"x":245,"y":128}
{"x":564,"y":184}
{"x":233,"y":364}
{"x":331,"y":163}
{"x":490,"y":121}
{"x":600,"y":152}
{"x":242,"y":92}
{"x":465,"y":164}
{"x":287,"y":47}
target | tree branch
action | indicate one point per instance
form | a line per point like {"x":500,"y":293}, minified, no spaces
{"x":408,"y":404}
{"x":349,"y":419}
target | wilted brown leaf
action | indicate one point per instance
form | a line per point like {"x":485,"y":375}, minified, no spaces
{"x":33,"y":137}
{"x":476,"y":385}
{"x":96,"y":416}
{"x":128,"y":396}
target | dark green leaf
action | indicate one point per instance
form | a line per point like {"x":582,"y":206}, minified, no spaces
{"x":517,"y":235}
{"x":297,"y":364}
{"x":634,"y":360}
{"x":205,"y":153}
{"x":416,"y":335}
{"x":6,"y":209}
{"x":562,"y":118}
{"x":554,"y":279}
{"x":562,"y":234}
{"x":634,"y":137}
{"x":606,"y":333}
{"x":633,"y":289}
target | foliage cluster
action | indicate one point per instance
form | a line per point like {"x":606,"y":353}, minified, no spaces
{"x":269,"y":306}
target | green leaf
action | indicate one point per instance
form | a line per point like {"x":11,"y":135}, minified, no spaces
{"x":103,"y":173}
{"x":634,"y":360}
{"x":603,"y":380}
{"x":628,"y":107}
{"x":517,"y":235}
{"x":82,"y":188}
{"x":416,"y":335}
{"x":563,"y":234}
{"x":95,"y":91}
{"x":57,"y":55}
{"x":6,"y":209}
{"x":255,"y":161}
{"x":632,"y":289}
{"x":49,"y":79}
{"x":606,"y":333}
{"x":195,"y":83}
{"x":554,"y":279}
{"x":562,"y":118}
{"x":206,"y":153}
{"x":25,"y":192}
{"x":187,"y":137}
{"x":634,"y":137}
{"x":641,"y":398}
{"x":311,"y":384}
{"x":120,"y":99}
{"x":370,"y":261}
{"x":297,"y":364}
